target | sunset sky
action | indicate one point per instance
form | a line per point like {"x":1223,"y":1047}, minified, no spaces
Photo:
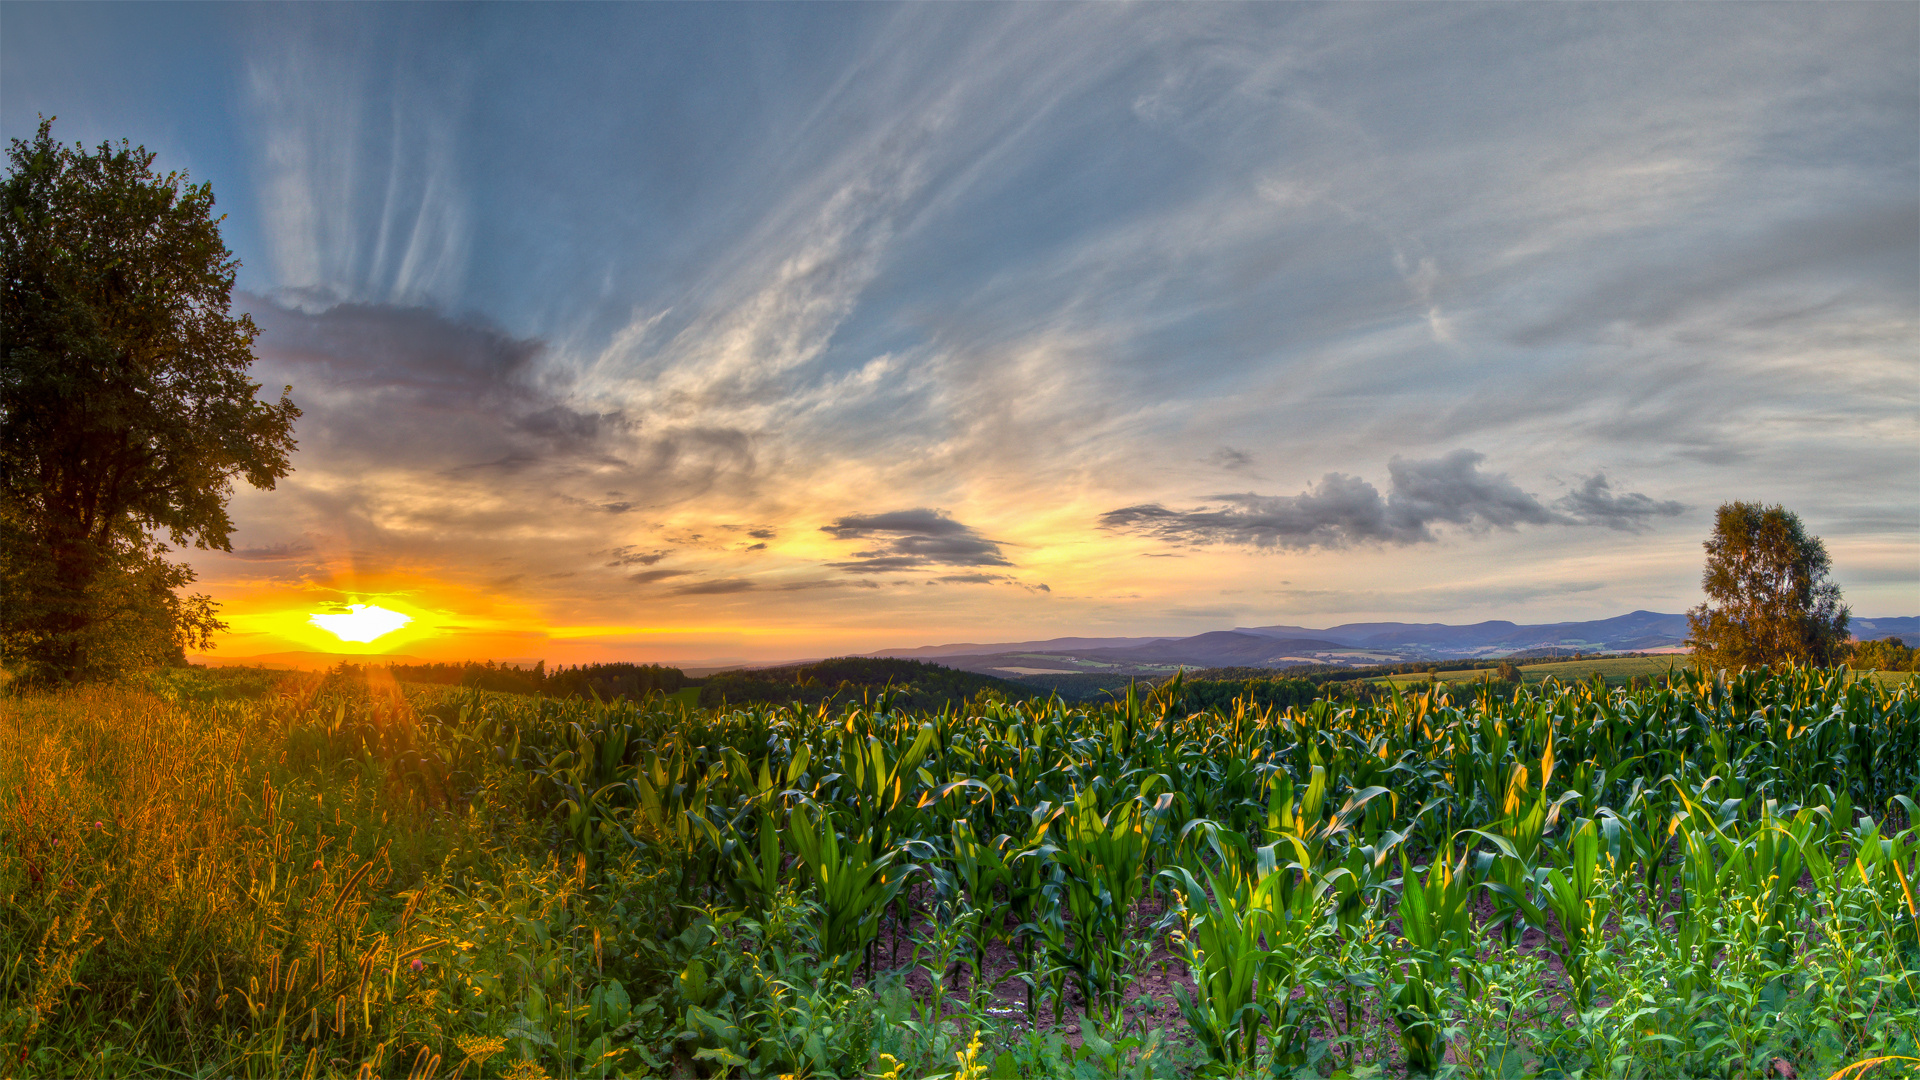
{"x":707,"y":332}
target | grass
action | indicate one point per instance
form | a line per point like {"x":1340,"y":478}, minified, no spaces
{"x":254,"y":874}
{"x":1616,"y":670}
{"x":202,"y":886}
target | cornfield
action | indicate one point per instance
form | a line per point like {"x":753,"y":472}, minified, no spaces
{"x":1711,"y":878}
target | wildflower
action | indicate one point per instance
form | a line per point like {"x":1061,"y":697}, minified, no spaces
{"x":417,"y":965}
{"x":479,"y":1049}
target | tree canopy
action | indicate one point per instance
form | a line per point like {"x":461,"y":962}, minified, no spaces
{"x":126,"y":410}
{"x":1768,"y":597}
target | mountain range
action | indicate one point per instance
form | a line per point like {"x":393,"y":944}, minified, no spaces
{"x":1349,"y":644}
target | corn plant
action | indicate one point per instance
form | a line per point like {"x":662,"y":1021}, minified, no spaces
{"x":1103,"y":857}
{"x":854,"y":888}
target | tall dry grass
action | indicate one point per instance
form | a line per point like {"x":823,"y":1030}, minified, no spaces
{"x":216,"y":887}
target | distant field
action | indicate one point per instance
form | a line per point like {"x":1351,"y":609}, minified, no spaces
{"x":1618,"y":671}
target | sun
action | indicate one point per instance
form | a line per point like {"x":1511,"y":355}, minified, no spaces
{"x":360,"y":622}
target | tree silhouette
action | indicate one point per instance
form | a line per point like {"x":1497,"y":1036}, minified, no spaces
{"x":125,"y":407}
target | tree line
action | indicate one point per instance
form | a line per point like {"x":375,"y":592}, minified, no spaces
{"x":608,"y":681}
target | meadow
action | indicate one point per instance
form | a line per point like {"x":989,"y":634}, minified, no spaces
{"x":255,"y":874}
{"x":1613,"y":670}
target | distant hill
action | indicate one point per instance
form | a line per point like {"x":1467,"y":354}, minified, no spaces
{"x":1086,"y":666}
{"x":1906,"y":628}
{"x":1633,"y":632}
{"x":914,"y":683}
{"x":1059,"y":644}
{"x":1222,"y":648}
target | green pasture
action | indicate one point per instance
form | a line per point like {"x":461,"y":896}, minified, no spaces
{"x":1616,"y":670}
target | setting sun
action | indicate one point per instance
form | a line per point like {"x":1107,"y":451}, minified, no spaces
{"x":360,"y":622}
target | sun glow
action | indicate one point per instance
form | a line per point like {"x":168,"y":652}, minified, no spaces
{"x":360,"y":622}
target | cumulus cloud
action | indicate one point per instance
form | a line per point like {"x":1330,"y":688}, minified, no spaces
{"x":1594,"y":503}
{"x":1344,"y":510}
{"x":911,"y":539}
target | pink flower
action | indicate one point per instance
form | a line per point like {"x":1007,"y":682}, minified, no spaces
{"x":418,"y":964}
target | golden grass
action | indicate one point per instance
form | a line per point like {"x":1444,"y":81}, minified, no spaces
{"x":172,"y":890}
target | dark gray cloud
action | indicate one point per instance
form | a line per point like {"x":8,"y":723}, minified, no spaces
{"x":1343,"y":510}
{"x":628,"y":555}
{"x":648,"y":577}
{"x":1228,"y":458}
{"x":912,"y":539}
{"x":389,"y":386}
{"x":1594,"y":503}
{"x":273,"y":552}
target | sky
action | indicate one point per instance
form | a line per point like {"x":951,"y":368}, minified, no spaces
{"x":713,"y":332}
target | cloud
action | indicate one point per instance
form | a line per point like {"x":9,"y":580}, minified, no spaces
{"x":716,"y":587}
{"x":1452,"y":489}
{"x":273,"y":552}
{"x":404,"y":385}
{"x":1594,"y":503}
{"x":1027,"y":262}
{"x":1344,"y":510}
{"x":910,"y":539}
{"x":648,"y":577}
{"x":628,"y":555}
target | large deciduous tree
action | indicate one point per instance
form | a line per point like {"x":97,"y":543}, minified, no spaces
{"x":1768,"y":597}
{"x":125,"y":407}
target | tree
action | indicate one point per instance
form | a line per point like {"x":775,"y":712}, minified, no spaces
{"x":1890,"y":654}
{"x":125,"y":407}
{"x":1768,"y":597}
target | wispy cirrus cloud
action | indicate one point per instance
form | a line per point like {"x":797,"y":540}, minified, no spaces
{"x":1030,"y":263}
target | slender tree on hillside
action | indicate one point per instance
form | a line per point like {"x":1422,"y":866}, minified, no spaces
{"x":1768,"y":597}
{"x":125,"y":407}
